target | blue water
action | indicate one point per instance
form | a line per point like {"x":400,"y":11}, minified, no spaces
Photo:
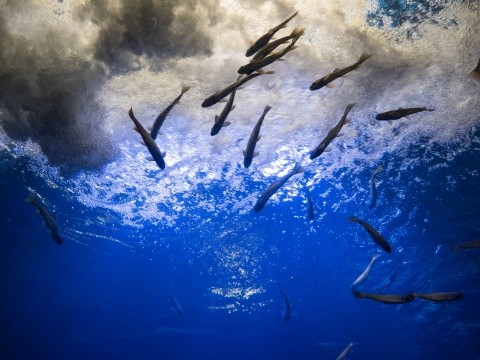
{"x":133,"y":234}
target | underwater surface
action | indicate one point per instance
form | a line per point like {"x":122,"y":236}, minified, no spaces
{"x":121,"y":259}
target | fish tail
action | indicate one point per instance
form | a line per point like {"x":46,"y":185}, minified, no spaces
{"x":475,"y":75}
{"x":432,"y":109}
{"x":298,"y":168}
{"x":353,"y":218}
{"x":267,"y":109}
{"x":185,"y":88}
{"x":365,"y":56}
{"x":356,"y":293}
{"x":31,"y":198}
{"x":297,"y":32}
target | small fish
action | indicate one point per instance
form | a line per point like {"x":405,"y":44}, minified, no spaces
{"x":324,"y":81}
{"x":152,"y":147}
{"x":311,"y":212}
{"x":379,"y":239}
{"x":343,"y":355}
{"x":264,"y":39}
{"x":258,"y":64}
{"x":385,"y":298}
{"x":220,"y":120}
{"x":373,"y":188}
{"x":273,"y":188}
{"x":399,"y":113}
{"x":288,"y":306}
{"x":441,"y":296}
{"x":467,"y":245}
{"x":157,"y":124}
{"x":174,"y":303}
{"x":219,"y":95}
{"x":365,"y":272}
{"x":267,"y":49}
{"x":250,"y":152}
{"x":331,"y":134}
{"x":34,"y":199}
{"x":475,"y":73}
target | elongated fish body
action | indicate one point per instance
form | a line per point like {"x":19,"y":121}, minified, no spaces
{"x":264,"y":39}
{"x":365,"y":272}
{"x":273,"y":188}
{"x":288,"y":306}
{"x":175,"y":304}
{"x":441,"y":296}
{"x":258,"y":64}
{"x":467,"y":245}
{"x":373,"y":188}
{"x":379,"y":239}
{"x":249,"y":153}
{"x":152,"y":147}
{"x":332,"y":134}
{"x":337,"y":73}
{"x":157,"y":124}
{"x":311,"y":212}
{"x":33,"y":199}
{"x":220,"y":120}
{"x":385,"y":298}
{"x":475,"y":73}
{"x":219,"y":95}
{"x":267,"y":49}
{"x":400,"y":112}
{"x":343,"y":355}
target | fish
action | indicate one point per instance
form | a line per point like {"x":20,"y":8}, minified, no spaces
{"x":475,"y":73}
{"x":365,"y":272}
{"x":249,"y":153}
{"x":267,"y":49}
{"x":400,"y":112}
{"x":311,"y":212}
{"x":385,"y":298}
{"x":467,"y":245}
{"x":260,"y":63}
{"x":332,"y":134}
{"x":441,"y":296}
{"x":273,"y":187}
{"x":343,"y":355}
{"x":174,"y":303}
{"x":157,"y":124}
{"x":152,"y":147}
{"x":376,"y":236}
{"x":373,"y":187}
{"x":288,"y":306}
{"x":219,"y":95}
{"x":220,"y":120}
{"x":337,"y":73}
{"x":264,"y":39}
{"x":34,"y":199}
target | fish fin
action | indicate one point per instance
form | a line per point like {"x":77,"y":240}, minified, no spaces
{"x":149,"y":158}
{"x":226,"y":123}
{"x":326,"y":150}
{"x":143,"y":143}
{"x":340,"y":134}
{"x":281,"y":59}
{"x":185,"y":88}
{"x":261,"y":71}
{"x":259,"y":137}
{"x":379,"y":168}
{"x":244,"y":153}
{"x":241,"y":88}
{"x":432,"y":109}
{"x":269,"y":72}
{"x":31,"y":198}
{"x":335,"y":70}
{"x":216,"y":118}
{"x":330,"y":85}
{"x":233,"y":107}
{"x":364,"y":56}
{"x":475,"y":75}
{"x":222,"y":100}
{"x":149,"y":128}
{"x":390,"y":122}
{"x":298,"y":168}
{"x":136,"y":129}
{"x":255,"y":154}
{"x":163,"y":153}
{"x":352,"y":218}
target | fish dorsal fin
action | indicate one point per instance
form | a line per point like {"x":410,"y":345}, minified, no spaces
{"x":255,"y":154}
{"x":143,"y":143}
{"x":216,"y":118}
{"x":136,"y":129}
{"x":233,"y":107}
{"x":336,"y":70}
{"x":226,"y":123}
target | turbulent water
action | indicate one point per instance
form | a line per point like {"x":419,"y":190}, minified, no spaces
{"x":71,"y":70}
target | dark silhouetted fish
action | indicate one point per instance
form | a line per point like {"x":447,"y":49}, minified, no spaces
{"x":260,"y":63}
{"x":311,"y":212}
{"x":475,"y":73}
{"x":174,"y":303}
{"x":267,"y":49}
{"x":441,"y":296}
{"x":220,"y":120}
{"x":331,"y":134}
{"x":250,"y":152}
{"x":373,"y":188}
{"x":365,"y":272}
{"x":337,"y":73}
{"x":343,"y":355}
{"x":385,"y":298}
{"x":152,"y":147}
{"x":288,"y":306}
{"x":264,"y":39}
{"x":400,"y":112}
{"x":157,"y":124}
{"x":467,"y":245}
{"x":379,"y":239}
{"x":34,"y":199}
{"x":273,"y":188}
{"x":219,"y":95}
